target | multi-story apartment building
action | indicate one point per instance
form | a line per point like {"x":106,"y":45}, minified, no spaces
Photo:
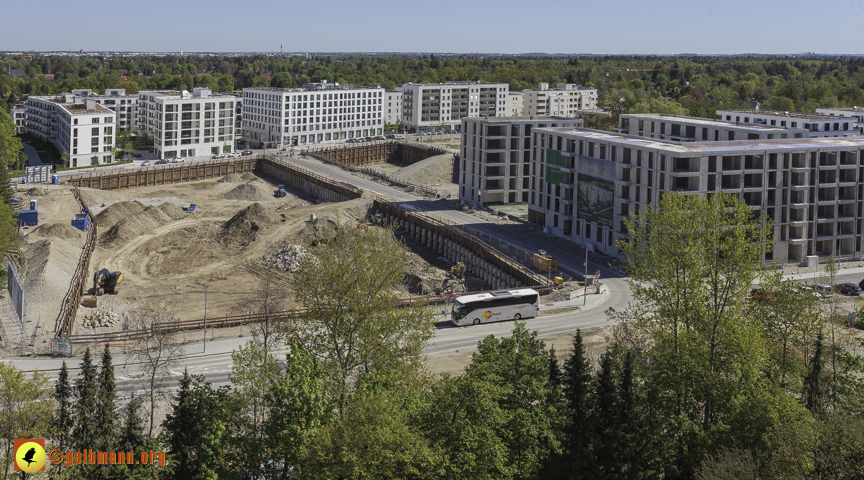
{"x":566,"y":99}
{"x":689,"y":129}
{"x":317,"y":113}
{"x":440,"y":106}
{"x":819,"y":125}
{"x":185,"y":124}
{"x":585,"y":182}
{"x":77,"y":125}
{"x":515,"y":104}
{"x":852,"y":112}
{"x":117,"y":100}
{"x":393,"y":107}
{"x":19,"y":116}
{"x":496,"y":157}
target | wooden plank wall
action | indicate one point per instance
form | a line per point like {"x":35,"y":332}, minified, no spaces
{"x":149,"y":176}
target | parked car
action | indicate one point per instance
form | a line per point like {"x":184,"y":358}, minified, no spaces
{"x":367,"y":139}
{"x":247,"y":152}
{"x":145,"y":163}
{"x":861,"y":284}
{"x":398,"y":137}
{"x":802,"y":289}
{"x":823,"y":290}
{"x":378,"y":137}
{"x":177,"y":160}
{"x":162,"y":162}
{"x":849,"y":289}
{"x":762,"y":296}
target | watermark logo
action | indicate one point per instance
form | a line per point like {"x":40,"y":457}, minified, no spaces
{"x":29,"y":454}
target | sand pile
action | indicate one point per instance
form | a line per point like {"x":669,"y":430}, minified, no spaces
{"x":243,"y":227}
{"x":35,"y":192}
{"x":436,"y":170}
{"x":231,"y":178}
{"x":287,"y":259}
{"x":114,"y":213}
{"x":46,"y":268}
{"x":142,"y":223}
{"x":100,"y":318}
{"x":56,"y":230}
{"x":251,"y":191}
{"x":248,"y":176}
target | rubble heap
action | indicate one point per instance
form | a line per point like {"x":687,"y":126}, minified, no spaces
{"x":287,"y":259}
{"x":99,"y":318}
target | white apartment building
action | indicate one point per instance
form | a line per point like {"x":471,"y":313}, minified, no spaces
{"x":319,"y":113}
{"x":585,"y":182}
{"x":515,"y":104}
{"x":77,"y":125}
{"x":441,"y":106}
{"x":566,"y":99}
{"x":496,"y":157}
{"x":19,"y":116}
{"x":117,"y":100}
{"x":185,"y":124}
{"x":393,"y":107}
{"x":689,"y":129}
{"x":819,"y":125}
{"x":852,"y":112}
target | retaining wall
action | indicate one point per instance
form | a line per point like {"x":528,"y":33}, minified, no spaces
{"x":72,"y":299}
{"x":394,"y":152}
{"x":308,"y":182}
{"x":148,"y":176}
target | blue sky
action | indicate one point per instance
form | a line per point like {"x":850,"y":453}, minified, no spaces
{"x":504,"y":26}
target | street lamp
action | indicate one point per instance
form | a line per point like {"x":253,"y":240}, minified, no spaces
{"x":589,"y":247}
{"x":206,"y":287}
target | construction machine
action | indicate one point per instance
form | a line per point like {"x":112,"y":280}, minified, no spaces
{"x":106,"y":282}
{"x":458,"y":270}
{"x":280,"y":191}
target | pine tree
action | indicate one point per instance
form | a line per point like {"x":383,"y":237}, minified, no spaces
{"x":106,"y":432}
{"x":63,"y":414}
{"x":813,"y":391}
{"x":605,"y":424}
{"x":84,"y":431}
{"x":554,"y":368}
{"x":577,"y":392}
{"x":132,"y":436}
{"x":5,"y":190}
{"x":179,"y":430}
{"x":632,"y":439}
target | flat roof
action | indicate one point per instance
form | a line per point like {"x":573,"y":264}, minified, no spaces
{"x":709,"y":148}
{"x":80,"y":109}
{"x":534,"y":118}
{"x":175,"y":93}
{"x":777,"y":113}
{"x":844,"y":109}
{"x":711,"y":122}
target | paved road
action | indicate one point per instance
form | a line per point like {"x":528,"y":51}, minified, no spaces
{"x":33,"y":159}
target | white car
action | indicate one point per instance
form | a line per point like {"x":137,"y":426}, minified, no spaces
{"x":145,"y":163}
{"x":823,"y":290}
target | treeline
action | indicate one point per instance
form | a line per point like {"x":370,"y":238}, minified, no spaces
{"x":699,"y":380}
{"x":694,"y":85}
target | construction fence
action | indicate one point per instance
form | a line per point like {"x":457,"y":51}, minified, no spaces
{"x":149,"y":176}
{"x":403,"y":153}
{"x":66,"y":318}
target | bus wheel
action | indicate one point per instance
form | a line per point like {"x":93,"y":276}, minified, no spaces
{"x":476,"y":321}
{"x":517,"y":317}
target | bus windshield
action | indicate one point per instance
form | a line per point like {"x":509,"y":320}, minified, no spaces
{"x":457,"y":310}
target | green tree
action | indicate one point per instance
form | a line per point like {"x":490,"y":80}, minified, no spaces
{"x":814,"y":390}
{"x":578,"y":398}
{"x":63,"y":421}
{"x":10,"y":145}
{"x":351,"y":322}
{"x":26,"y":410}
{"x":94,"y":160}
{"x":85,"y":432}
{"x":105,"y":434}
{"x":299,"y":405}
{"x":64,"y":157}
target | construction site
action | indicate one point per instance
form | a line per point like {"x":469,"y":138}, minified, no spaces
{"x":163,"y":237}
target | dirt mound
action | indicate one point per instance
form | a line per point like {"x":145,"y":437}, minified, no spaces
{"x":435,"y":170}
{"x":231,"y":178}
{"x":99,"y":318}
{"x":56,"y":230}
{"x":243,"y":227}
{"x":248,"y":176}
{"x":114,"y":213}
{"x":251,"y":191}
{"x":35,"y":192}
{"x":46,"y":268}
{"x":287,"y":259}
{"x":142,"y":223}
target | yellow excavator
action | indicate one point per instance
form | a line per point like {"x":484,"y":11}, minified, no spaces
{"x":458,"y":270}
{"x":106,"y":282}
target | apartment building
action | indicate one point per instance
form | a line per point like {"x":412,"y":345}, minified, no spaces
{"x":116,"y":99}
{"x":851,"y":112}
{"x":566,"y":99}
{"x":585,"y":182}
{"x":690,"y":129}
{"x":318,"y":113}
{"x":441,"y":106}
{"x":818,"y":125}
{"x":185,"y":124}
{"x":74,"y":124}
{"x":19,"y":116}
{"x":393,"y":107}
{"x":515,"y":104}
{"x":496,"y":157}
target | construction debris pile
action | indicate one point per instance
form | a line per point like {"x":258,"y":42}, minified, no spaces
{"x":287,"y":259}
{"x":99,"y":318}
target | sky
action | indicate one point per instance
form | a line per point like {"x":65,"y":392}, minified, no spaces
{"x":475,"y":26}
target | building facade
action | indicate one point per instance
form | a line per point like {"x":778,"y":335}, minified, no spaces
{"x":851,"y":112}
{"x":566,"y":99}
{"x":19,"y":116}
{"x":585,"y":182}
{"x":495,"y":157}
{"x":184,"y":124}
{"x":318,"y":113}
{"x":515,"y":104}
{"x":441,"y":106}
{"x":125,"y":106}
{"x":393,"y":107}
{"x":817,"y":124}
{"x":77,"y":125}
{"x":690,"y":129}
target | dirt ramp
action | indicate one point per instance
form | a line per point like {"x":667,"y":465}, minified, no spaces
{"x":142,"y":223}
{"x":251,"y":192}
{"x":56,"y":230}
{"x":243,"y":228}
{"x":114,"y":213}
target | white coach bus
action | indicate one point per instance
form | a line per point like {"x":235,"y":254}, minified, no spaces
{"x":495,"y":307}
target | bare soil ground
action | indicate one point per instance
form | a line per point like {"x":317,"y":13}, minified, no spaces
{"x":168,"y":255}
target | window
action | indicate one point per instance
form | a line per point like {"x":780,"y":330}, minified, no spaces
{"x":95,"y":120}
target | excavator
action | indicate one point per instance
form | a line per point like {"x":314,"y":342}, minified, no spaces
{"x":280,"y":191}
{"x":456,"y":281}
{"x":106,"y":282}
{"x":458,"y":270}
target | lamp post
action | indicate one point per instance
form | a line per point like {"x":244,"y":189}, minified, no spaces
{"x":588,"y":247}
{"x":206,"y":287}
